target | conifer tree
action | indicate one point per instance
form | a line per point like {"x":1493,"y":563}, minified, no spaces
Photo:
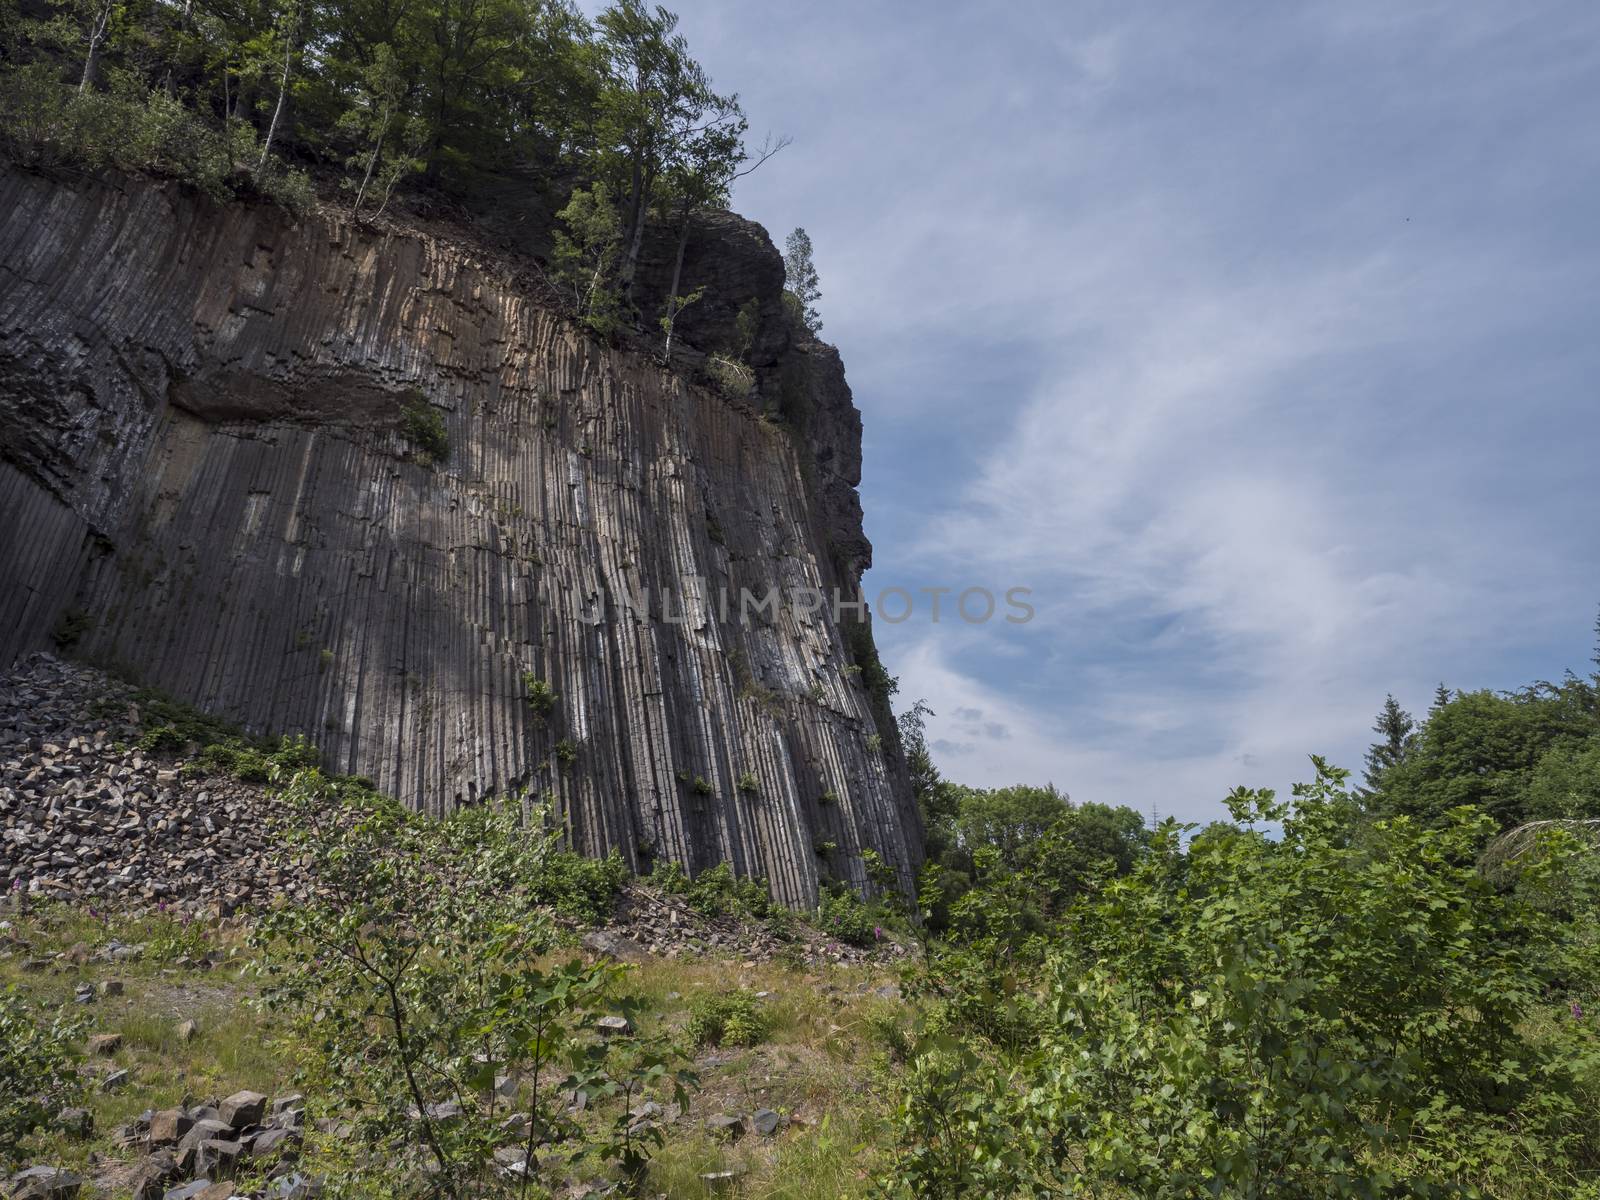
{"x":1397,"y":735}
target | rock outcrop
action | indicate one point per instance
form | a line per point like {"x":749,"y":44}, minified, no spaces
{"x":206,"y":484}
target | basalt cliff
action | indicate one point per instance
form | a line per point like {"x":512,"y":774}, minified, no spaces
{"x":206,"y":485}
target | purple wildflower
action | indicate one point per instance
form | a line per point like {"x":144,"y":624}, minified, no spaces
{"x":1577,"y":1011}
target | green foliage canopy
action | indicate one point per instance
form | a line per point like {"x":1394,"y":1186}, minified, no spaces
{"x":1317,"y":1016}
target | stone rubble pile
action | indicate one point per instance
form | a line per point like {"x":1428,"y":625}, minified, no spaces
{"x":196,"y":1151}
{"x":85,"y":815}
{"x":193,"y":1152}
{"x":652,"y":922}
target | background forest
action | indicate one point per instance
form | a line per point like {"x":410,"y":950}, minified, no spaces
{"x":1371,"y":990}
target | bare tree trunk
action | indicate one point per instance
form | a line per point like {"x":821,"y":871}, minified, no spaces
{"x":183,"y":25}
{"x":372,"y":160}
{"x":637,"y":211}
{"x":283,"y":89}
{"x":673,"y":308}
{"x":227,"y":117}
{"x":388,"y":190}
{"x":97,"y":34}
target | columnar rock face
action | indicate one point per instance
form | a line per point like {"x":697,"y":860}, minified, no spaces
{"x":206,"y":484}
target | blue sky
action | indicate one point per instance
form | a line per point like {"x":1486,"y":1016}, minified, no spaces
{"x":1258,"y":339}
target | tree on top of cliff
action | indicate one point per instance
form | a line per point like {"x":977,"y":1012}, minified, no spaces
{"x":585,"y":257}
{"x":526,"y":101}
{"x":800,"y":278}
{"x":658,"y":116}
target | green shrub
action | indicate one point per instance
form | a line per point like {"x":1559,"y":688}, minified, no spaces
{"x":156,"y":708}
{"x":541,"y":696}
{"x":38,"y":1070}
{"x":734,"y":378}
{"x":171,"y":726}
{"x":422,"y":425}
{"x":70,"y":627}
{"x":286,"y":187}
{"x":842,"y":914}
{"x":1316,"y":1015}
{"x":888,"y":1027}
{"x":418,"y":977}
{"x":875,"y":677}
{"x":579,"y":887}
{"x":161,"y":739}
{"x":717,"y":892}
{"x":173,"y":937}
{"x":46,"y":122}
{"x":250,"y":762}
{"x":728,"y":1019}
{"x":584,"y":259}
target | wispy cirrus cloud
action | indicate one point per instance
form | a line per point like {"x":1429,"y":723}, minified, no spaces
{"x":1258,"y":343}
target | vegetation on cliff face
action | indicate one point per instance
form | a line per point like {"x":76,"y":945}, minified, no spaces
{"x":802,"y":288}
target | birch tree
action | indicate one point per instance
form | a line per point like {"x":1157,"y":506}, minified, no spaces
{"x":289,"y":23}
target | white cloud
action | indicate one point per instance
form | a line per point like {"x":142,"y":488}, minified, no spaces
{"x":1259,"y":349}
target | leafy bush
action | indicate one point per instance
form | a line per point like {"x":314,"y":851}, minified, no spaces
{"x":417,"y":980}
{"x":728,"y":1019}
{"x":70,"y":627}
{"x":541,"y":696}
{"x":161,"y":739}
{"x":38,"y":1075}
{"x":422,"y":425}
{"x":1317,"y":1016}
{"x":157,"y":708}
{"x":253,"y":763}
{"x":579,"y":887}
{"x":842,"y":914}
{"x":45,"y":122}
{"x":585,"y":257}
{"x":717,"y":892}
{"x":734,"y":378}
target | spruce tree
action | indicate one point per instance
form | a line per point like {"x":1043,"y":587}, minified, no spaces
{"x":1397,"y":734}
